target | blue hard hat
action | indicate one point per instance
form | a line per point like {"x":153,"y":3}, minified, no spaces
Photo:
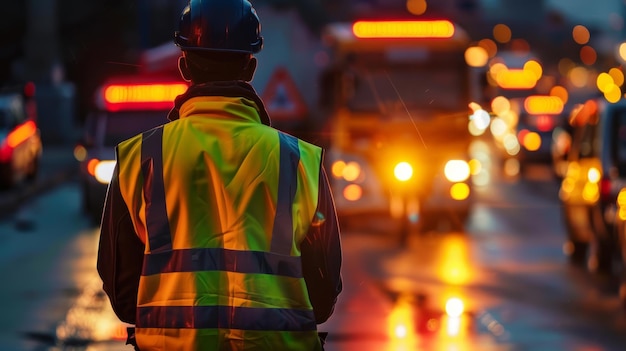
{"x":219,"y":25}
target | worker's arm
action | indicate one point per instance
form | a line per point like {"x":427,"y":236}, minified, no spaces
{"x":321,"y":255}
{"x":120,"y":254}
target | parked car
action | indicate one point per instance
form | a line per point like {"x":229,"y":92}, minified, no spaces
{"x":20,"y":140}
{"x":561,"y":143}
{"x":596,"y":171}
{"x":620,"y":229}
{"x":127,"y":106}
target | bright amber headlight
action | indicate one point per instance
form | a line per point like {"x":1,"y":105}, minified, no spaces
{"x":403,"y":171}
{"x":593,"y":175}
{"x":457,"y":170}
{"x":104,"y":171}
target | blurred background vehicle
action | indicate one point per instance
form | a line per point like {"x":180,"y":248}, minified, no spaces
{"x":538,"y":118}
{"x":596,"y":172}
{"x":20,"y":141}
{"x":620,"y":232}
{"x":560,"y":145}
{"x":398,"y":106}
{"x":128,"y":106}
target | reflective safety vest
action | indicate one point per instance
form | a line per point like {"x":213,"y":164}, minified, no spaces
{"x":222,"y":203}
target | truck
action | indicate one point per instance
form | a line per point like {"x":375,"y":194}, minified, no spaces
{"x":397,"y":100}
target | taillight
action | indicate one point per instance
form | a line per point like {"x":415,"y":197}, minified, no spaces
{"x":5,"y":152}
{"x":142,"y":96}
{"x":544,"y":123}
{"x":605,"y":190}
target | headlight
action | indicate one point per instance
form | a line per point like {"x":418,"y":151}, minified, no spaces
{"x":457,"y":170}
{"x":103,"y":171}
{"x":350,"y":171}
{"x":337,"y":168}
{"x":403,"y":171}
{"x":593,"y":174}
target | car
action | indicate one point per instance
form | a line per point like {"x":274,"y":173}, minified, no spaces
{"x":561,"y":143}
{"x":20,"y":139}
{"x":538,"y":119}
{"x":596,"y":171}
{"x":620,"y":232}
{"x":126,"y":106}
{"x":387,"y":154}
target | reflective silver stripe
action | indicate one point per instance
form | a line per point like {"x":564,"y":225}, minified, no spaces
{"x":282,"y":234}
{"x":218,"y":259}
{"x":226,"y":317}
{"x":157,"y":223}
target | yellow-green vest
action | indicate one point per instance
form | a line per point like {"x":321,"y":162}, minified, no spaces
{"x":222,"y":203}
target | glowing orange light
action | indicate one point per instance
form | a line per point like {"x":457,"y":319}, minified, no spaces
{"x":502,"y":33}
{"x":584,"y":113}
{"x":538,"y":104}
{"x":560,"y":92}
{"x":460,"y":191}
{"x":544,"y":123}
{"x":120,"y":332}
{"x":142,"y":96}
{"x":581,"y":34}
{"x":352,"y":192}
{"x":91,"y":166}
{"x":403,"y":29}
{"x":490,"y":46}
{"x":516,"y":79}
{"x":531,"y":141}
{"x":588,"y":55}
{"x":21,"y":133}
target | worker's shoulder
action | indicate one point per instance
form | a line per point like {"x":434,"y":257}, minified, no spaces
{"x":137,"y":139}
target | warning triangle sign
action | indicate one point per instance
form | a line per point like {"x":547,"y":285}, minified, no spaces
{"x":282,"y":98}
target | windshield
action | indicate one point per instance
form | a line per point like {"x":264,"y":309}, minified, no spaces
{"x":123,"y":125}
{"x":396,"y":89}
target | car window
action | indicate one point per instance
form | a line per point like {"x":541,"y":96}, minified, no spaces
{"x":588,"y":142}
{"x":11,"y":111}
{"x":5,"y":119}
{"x":583,"y":144}
{"x":619,"y":137}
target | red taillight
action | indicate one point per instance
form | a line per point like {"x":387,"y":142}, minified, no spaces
{"x":148,"y":96}
{"x":605,"y":190}
{"x":21,"y":134}
{"x":29,"y":90}
{"x":544,"y":123}
{"x":5,"y":152}
{"x":91,"y":166}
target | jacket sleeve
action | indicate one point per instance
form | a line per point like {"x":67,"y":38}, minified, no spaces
{"x":321,"y":255}
{"x":120,"y":254}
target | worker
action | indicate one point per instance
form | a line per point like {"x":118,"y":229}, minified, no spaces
{"x":219,"y":232}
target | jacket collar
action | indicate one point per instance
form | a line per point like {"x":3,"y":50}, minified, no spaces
{"x":227,"y":89}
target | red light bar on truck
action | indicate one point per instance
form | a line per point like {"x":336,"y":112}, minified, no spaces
{"x":142,"y":96}
{"x":403,"y":29}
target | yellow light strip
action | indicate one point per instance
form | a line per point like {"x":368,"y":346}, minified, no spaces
{"x":538,"y":104}
{"x":516,"y":79}
{"x":21,"y":133}
{"x":403,"y":29}
{"x":142,"y":93}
